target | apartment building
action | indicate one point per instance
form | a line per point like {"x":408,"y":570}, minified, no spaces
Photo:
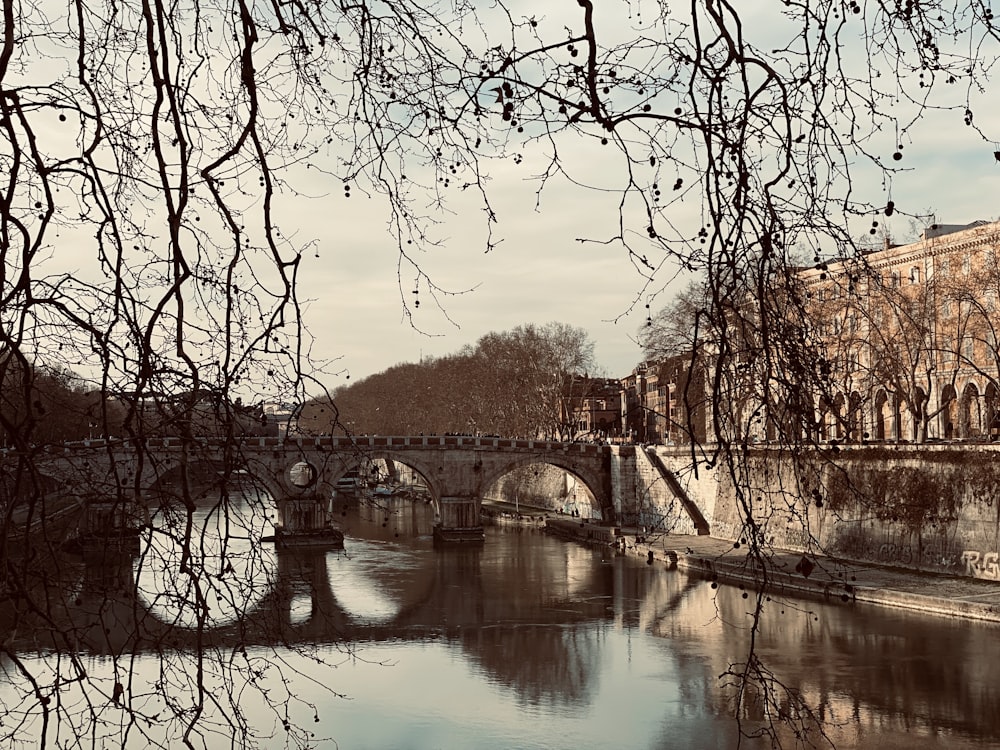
{"x":666,"y":402}
{"x":592,"y":408}
{"x":911,"y":336}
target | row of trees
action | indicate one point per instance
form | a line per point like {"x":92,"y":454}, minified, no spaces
{"x":46,"y":405}
{"x":42,"y":406}
{"x":515,"y":384}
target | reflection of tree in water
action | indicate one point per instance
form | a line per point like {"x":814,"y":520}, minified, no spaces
{"x":556,"y":665}
{"x":545,"y":665}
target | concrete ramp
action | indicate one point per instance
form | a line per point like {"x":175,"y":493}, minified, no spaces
{"x":670,"y":479}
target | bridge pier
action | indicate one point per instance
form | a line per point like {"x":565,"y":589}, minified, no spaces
{"x":306,"y":521}
{"x":111,"y":526}
{"x":459,"y":520}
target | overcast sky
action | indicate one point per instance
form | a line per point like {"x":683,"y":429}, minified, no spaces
{"x":541,"y":272}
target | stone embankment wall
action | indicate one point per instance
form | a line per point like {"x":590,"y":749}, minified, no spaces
{"x":923,"y":507}
{"x":644,"y":497}
{"x":933,"y":508}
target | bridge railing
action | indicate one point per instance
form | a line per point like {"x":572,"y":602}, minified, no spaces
{"x":323,"y":442}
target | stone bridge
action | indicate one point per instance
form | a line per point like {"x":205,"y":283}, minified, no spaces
{"x":301,"y":474}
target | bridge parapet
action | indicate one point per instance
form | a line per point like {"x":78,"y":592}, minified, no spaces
{"x":458,"y":469}
{"x":321,"y":442}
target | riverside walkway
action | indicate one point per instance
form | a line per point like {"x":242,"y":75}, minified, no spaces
{"x":792,"y":573}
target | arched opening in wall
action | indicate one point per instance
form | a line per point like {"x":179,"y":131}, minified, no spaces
{"x":882,"y":415}
{"x":785,"y":420}
{"x":788,"y":422}
{"x":824,"y":419}
{"x":302,"y":474}
{"x":837,"y":427}
{"x":803,"y":419}
{"x":207,"y":484}
{"x":949,"y":412}
{"x":771,"y":426}
{"x":991,"y":409}
{"x":538,"y":489}
{"x":970,"y":424}
{"x":381,"y":498}
{"x":855,"y":419}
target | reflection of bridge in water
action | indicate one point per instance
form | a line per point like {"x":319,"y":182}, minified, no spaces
{"x":107,"y":606}
{"x":301,"y":474}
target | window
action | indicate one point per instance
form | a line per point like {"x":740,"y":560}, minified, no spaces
{"x":946,"y":307}
{"x":915,"y":275}
{"x":945,"y":266}
{"x":967,"y":264}
{"x":895,"y":280}
{"x":969,"y":349}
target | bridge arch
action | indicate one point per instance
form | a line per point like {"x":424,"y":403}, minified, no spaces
{"x":424,"y":468}
{"x":456,"y":469}
{"x":593,"y":483}
{"x":205,"y":472}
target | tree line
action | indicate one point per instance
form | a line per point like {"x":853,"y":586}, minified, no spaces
{"x":41,"y":405}
{"x":514,"y":383}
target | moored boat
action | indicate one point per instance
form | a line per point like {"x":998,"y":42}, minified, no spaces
{"x":325,"y":536}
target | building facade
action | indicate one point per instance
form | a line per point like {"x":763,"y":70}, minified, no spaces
{"x":592,"y":408}
{"x":911,"y":335}
{"x":666,"y":402}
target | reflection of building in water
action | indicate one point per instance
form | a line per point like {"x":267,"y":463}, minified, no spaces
{"x":865,"y":672}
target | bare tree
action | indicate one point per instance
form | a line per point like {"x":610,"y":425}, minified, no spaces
{"x":512,"y":383}
{"x":148,"y":150}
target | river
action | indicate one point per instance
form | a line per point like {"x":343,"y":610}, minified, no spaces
{"x":525,"y":642}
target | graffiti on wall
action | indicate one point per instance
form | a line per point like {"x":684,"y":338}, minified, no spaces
{"x":929,"y":554}
{"x":796,"y":538}
{"x":982,"y":565}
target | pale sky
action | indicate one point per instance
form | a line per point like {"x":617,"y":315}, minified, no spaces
{"x":540,"y":272}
